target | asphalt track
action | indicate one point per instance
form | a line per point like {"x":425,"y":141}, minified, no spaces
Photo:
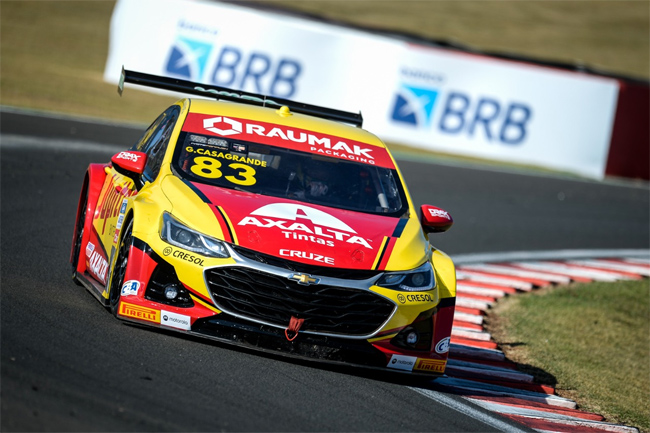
{"x":68,"y":365}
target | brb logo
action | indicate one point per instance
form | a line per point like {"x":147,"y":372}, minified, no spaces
{"x":230,"y":66}
{"x":461,"y":114}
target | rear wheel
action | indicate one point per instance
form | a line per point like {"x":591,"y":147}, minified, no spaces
{"x":119,"y":269}
{"x":79,"y":231}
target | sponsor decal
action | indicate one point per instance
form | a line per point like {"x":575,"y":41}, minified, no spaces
{"x":420,"y":102}
{"x":419,"y":297}
{"x":292,"y":138}
{"x":174,"y":320}
{"x":197,"y":260}
{"x":111,"y":204}
{"x":188,"y":58}
{"x":196,"y":55}
{"x":439,"y":213}
{"x":123,"y":207}
{"x":434,"y":365}
{"x":120,"y":221}
{"x":304,"y":223}
{"x":128,"y":156}
{"x":401,"y":298}
{"x":233,"y":126}
{"x":307,"y":256}
{"x":130,"y":288}
{"x":139,"y":312}
{"x":98,"y":266}
{"x":443,"y":346}
{"x":401,"y":362}
{"x":90,"y":247}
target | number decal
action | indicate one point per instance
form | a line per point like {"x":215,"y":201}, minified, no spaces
{"x":207,"y":167}
{"x":247,"y":172}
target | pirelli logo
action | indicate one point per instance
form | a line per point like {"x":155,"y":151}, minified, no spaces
{"x":430,"y":365}
{"x":138,"y":312}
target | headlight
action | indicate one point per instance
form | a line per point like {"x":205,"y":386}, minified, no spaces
{"x":178,"y":234}
{"x":418,"y":280}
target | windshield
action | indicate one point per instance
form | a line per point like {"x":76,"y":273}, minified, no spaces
{"x":279,"y":172}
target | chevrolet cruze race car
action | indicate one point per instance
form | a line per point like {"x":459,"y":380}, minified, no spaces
{"x":269,"y":224}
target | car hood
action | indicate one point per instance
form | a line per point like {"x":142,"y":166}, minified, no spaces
{"x":308,"y":233}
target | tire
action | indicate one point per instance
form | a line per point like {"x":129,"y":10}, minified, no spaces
{"x":119,"y":268}
{"x":79,"y":230}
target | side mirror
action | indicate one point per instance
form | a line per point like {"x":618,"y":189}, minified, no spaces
{"x":131,"y":164}
{"x":434,"y":219}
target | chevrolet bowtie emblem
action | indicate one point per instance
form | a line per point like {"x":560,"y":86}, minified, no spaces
{"x":304,"y":279}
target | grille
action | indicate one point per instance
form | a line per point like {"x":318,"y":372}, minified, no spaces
{"x":272,"y":299}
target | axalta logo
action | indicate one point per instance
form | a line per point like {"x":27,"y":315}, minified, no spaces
{"x":304,"y":223}
{"x":476,"y":117}
{"x":197,"y":57}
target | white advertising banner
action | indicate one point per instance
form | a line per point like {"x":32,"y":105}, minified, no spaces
{"x":429,"y":98}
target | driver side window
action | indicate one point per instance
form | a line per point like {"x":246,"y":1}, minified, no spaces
{"x":155,"y":140}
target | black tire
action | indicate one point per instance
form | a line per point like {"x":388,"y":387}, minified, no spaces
{"x":79,"y":230}
{"x":119,"y":268}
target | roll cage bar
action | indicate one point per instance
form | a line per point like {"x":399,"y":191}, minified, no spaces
{"x":223,"y":93}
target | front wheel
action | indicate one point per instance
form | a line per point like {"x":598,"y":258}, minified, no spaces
{"x":79,"y":234}
{"x":119,"y":269}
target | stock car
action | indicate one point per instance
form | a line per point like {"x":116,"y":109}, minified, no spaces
{"x":270,"y":224}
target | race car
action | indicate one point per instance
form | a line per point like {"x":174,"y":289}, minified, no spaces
{"x":270,"y":224}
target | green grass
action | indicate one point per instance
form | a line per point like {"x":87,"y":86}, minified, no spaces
{"x":592,"y":342}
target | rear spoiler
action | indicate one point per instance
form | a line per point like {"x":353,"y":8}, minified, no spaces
{"x":223,"y":93}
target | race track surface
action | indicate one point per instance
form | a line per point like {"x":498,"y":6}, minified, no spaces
{"x":68,"y":365}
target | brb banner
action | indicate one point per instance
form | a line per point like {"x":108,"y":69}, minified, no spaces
{"x":434,"y":99}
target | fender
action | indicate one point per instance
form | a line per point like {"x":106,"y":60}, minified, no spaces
{"x":92,"y":185}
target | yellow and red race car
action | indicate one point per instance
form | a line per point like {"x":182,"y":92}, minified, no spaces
{"x":270,"y":224}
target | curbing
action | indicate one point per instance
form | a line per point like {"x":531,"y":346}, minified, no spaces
{"x":480,"y":373}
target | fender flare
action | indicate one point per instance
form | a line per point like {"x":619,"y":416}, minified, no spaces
{"x":92,"y":186}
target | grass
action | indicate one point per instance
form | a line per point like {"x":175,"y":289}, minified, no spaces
{"x":592,"y":342}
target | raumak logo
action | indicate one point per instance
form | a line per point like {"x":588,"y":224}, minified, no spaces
{"x":304,"y":223}
{"x":460,"y":113}
{"x":233,"y":126}
{"x":278,"y":135}
{"x":195,"y":56}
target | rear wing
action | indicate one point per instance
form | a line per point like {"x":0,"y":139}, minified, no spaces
{"x":223,"y":93}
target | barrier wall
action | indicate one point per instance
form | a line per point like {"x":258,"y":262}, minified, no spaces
{"x":414,"y":94}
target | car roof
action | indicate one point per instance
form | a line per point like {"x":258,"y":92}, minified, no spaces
{"x":283,"y":117}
